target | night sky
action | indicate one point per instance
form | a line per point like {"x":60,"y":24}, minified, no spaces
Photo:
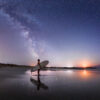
{"x":65,"y":32}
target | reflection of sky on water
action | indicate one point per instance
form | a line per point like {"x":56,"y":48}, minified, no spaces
{"x":69,"y":84}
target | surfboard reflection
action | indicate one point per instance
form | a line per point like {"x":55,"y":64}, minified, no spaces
{"x":38,"y":83}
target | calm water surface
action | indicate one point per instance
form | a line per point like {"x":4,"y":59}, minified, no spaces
{"x":17,"y":83}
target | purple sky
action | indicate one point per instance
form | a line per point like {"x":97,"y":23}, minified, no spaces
{"x":65,"y":32}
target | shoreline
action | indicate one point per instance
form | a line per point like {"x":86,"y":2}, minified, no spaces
{"x":47,"y":68}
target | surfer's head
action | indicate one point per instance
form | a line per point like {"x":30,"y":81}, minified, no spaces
{"x":38,"y":60}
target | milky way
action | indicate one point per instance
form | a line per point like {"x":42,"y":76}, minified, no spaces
{"x":27,"y":26}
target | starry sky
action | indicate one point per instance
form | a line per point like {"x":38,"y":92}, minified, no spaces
{"x":65,"y":32}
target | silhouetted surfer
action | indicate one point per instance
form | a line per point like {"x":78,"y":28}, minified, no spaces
{"x":39,"y":66}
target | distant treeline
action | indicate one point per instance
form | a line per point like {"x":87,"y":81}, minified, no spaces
{"x":14,"y":65}
{"x":65,"y":68}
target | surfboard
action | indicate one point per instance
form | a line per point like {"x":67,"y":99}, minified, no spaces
{"x":43,"y":64}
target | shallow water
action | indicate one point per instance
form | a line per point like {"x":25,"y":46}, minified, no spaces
{"x":18,"y":83}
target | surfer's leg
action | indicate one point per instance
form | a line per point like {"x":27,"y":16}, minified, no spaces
{"x":38,"y":71}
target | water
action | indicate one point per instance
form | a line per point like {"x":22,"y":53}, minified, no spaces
{"x":17,"y":83}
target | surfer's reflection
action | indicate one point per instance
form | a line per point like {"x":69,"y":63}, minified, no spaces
{"x":38,"y":83}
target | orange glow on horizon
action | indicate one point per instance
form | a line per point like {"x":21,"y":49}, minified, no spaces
{"x":32,"y":64}
{"x":85,"y":63}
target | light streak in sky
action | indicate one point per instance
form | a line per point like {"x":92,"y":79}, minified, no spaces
{"x":30,"y":45}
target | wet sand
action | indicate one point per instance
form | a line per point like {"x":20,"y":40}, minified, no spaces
{"x":18,"y":84}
